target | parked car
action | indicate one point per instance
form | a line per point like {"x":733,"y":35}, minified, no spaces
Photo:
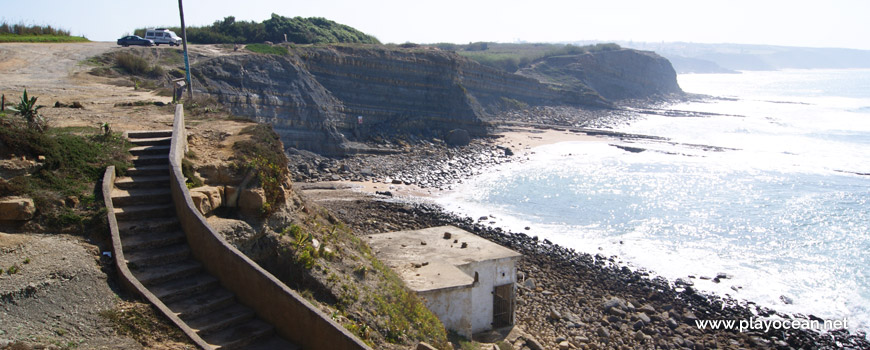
{"x":162,"y":36}
{"x":134,"y":40}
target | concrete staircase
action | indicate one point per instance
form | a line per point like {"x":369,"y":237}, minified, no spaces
{"x":158,"y":255}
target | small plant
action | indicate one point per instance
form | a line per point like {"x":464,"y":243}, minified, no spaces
{"x":28,"y":109}
{"x":26,"y":261}
{"x":12,"y":270}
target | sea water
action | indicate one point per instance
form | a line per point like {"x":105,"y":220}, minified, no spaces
{"x":766,"y":187}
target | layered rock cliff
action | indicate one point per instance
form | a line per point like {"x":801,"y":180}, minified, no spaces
{"x":615,"y":75}
{"x":278,"y":91}
{"x":320,"y":97}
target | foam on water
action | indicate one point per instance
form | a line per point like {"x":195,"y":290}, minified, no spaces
{"x":783,"y":212}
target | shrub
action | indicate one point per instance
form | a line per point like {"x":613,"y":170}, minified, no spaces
{"x":28,"y":109}
{"x":137,"y":65}
{"x":264,"y":154}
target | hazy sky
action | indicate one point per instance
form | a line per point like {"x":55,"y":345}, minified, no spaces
{"x":834,"y":23}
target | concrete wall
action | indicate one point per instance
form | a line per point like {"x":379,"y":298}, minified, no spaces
{"x":490,"y":273}
{"x":294,"y":317}
{"x":452,"y":306}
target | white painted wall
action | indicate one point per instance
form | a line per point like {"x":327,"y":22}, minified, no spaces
{"x":452,"y":306}
{"x":490,"y":273}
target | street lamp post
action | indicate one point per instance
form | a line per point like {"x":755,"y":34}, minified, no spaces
{"x":186,"y":60}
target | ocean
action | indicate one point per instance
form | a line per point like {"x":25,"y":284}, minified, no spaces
{"x":770,"y":185}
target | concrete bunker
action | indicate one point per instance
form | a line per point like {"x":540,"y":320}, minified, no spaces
{"x":467,"y":281}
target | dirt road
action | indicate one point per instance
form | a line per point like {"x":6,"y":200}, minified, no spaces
{"x":59,"y":73}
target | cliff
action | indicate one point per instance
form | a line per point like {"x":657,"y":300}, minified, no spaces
{"x":276,"y":90}
{"x":615,"y":75}
{"x":321,"y":98}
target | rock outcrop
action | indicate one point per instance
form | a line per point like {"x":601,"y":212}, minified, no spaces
{"x":615,"y":75}
{"x":16,"y":209}
{"x":321,"y":98}
{"x":279,"y":91}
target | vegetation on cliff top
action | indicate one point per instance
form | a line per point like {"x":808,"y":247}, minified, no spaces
{"x":512,"y":57}
{"x":313,"y":30}
{"x":67,"y":164}
{"x":10,"y":33}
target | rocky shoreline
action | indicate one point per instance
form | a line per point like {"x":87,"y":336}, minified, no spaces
{"x":572,"y":300}
{"x":566,"y":299}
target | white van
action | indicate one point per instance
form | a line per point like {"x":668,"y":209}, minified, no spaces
{"x":162,"y":36}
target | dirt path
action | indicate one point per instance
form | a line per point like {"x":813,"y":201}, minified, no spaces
{"x":59,"y":73}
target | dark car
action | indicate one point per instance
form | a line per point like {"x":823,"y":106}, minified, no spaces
{"x":134,"y":40}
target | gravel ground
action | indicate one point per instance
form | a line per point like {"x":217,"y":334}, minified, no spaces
{"x":54,"y":294}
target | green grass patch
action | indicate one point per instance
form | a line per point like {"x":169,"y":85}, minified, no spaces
{"x":14,"y":38}
{"x":268,"y":49}
{"x":64,"y":184}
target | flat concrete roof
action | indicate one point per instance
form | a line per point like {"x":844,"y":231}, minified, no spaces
{"x":426,"y":260}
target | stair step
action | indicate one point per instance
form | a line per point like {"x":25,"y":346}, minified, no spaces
{"x":154,"y":149}
{"x":153,"y":159}
{"x":147,"y":211}
{"x":273,"y":343}
{"x":136,"y":227}
{"x":140,"y":196}
{"x":159,"y":255}
{"x":133,"y":182}
{"x":221,"y":319}
{"x":144,"y":134}
{"x":241,"y":335}
{"x":152,"y":240}
{"x":180,"y":288}
{"x":152,"y":141}
{"x":148,"y":170}
{"x":202,"y":303}
{"x":153,"y":275}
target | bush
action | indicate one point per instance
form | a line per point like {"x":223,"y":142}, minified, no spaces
{"x":137,"y":65}
{"x":314,"y":30}
{"x":264,"y":154}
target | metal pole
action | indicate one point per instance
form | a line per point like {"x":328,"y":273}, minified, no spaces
{"x":184,"y":42}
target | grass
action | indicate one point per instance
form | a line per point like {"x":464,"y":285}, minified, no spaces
{"x":511,"y":57}
{"x":137,"y":65}
{"x":65,"y":187}
{"x":15,"y":38}
{"x":268,"y":49}
{"x":21,"y":32}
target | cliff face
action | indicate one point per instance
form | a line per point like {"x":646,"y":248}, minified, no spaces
{"x":615,"y":75}
{"x":411,"y":91}
{"x":316,"y":97}
{"x":277,"y":91}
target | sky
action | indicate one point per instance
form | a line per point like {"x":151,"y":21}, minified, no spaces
{"x":834,"y":23}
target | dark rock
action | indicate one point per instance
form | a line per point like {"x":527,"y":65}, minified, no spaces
{"x":458,"y":137}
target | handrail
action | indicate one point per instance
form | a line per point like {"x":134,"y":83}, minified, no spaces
{"x":293,"y":317}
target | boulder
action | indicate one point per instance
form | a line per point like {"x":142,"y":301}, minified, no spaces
{"x":201,"y":202}
{"x":251,"y":200}
{"x":206,"y":198}
{"x":458,"y":137}
{"x":16,"y":208}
